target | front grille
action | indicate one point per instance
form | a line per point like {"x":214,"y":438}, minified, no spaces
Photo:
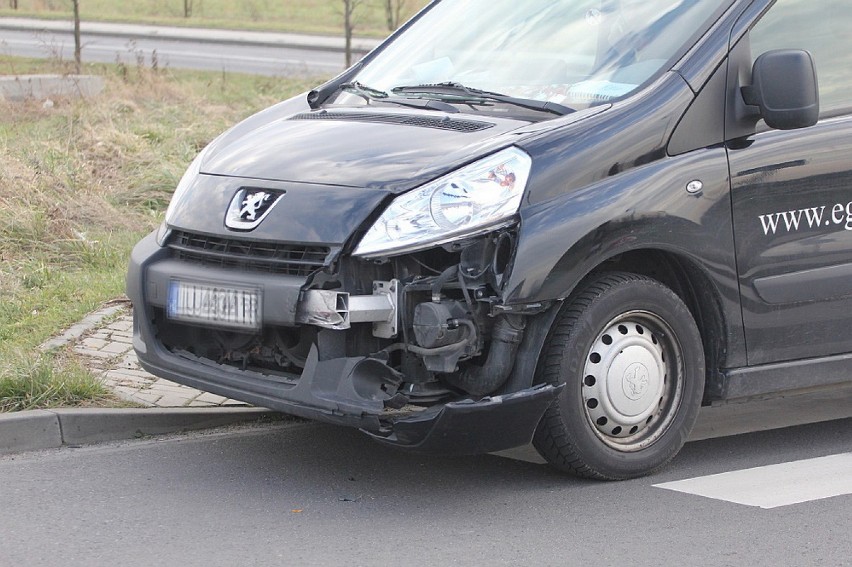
{"x":454,"y":124}
{"x":248,"y":255}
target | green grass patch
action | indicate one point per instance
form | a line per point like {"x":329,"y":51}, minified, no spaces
{"x":38,"y":381}
{"x":300,"y":16}
{"x":81,"y":182}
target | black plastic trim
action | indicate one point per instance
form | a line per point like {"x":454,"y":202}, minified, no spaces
{"x":787,"y":376}
{"x":474,"y":427}
{"x":703,"y":124}
{"x":446,"y":123}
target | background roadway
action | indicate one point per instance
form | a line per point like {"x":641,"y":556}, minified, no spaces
{"x":210,"y":54}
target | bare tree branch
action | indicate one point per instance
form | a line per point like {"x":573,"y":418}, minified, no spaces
{"x":349,"y":23}
{"x":393,"y":12}
{"x":77,"y":44}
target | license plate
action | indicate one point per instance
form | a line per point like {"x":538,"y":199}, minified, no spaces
{"x":218,"y":305}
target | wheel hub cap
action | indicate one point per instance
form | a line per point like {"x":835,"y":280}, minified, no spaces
{"x":624,"y":380}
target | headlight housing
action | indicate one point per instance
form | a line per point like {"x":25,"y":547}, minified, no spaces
{"x":180,"y":195}
{"x":472,"y":200}
{"x":182,"y":189}
{"x":163,"y":233}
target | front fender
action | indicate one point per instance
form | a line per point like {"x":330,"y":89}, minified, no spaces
{"x":647,"y":208}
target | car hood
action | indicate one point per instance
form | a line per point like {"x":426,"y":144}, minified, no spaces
{"x":335,"y":167}
{"x":369,"y":147}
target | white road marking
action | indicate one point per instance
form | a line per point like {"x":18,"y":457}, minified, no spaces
{"x":775,"y":485}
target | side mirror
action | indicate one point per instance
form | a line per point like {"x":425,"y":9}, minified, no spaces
{"x":785,"y":89}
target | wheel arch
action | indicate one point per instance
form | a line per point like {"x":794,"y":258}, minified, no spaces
{"x":683,"y":275}
{"x":696,"y":289}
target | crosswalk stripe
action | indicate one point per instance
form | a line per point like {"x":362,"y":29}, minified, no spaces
{"x":775,"y":485}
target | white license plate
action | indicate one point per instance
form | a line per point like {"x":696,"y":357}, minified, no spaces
{"x":221,"y":306}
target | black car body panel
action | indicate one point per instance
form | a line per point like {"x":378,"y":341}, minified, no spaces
{"x":292,"y":220}
{"x":439,"y":347}
{"x":415,"y":149}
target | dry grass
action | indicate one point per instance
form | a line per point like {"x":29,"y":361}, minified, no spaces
{"x":81,"y":182}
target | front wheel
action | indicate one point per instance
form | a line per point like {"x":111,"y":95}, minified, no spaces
{"x":631,"y":358}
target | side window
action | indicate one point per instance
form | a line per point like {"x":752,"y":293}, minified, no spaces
{"x":821,"y":27}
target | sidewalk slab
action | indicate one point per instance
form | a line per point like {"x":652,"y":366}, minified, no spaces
{"x":88,"y":323}
{"x":100,"y":340}
{"x":29,"y":431}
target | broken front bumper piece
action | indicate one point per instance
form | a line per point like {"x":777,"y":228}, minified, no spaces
{"x":344,"y":391}
{"x":474,"y":427}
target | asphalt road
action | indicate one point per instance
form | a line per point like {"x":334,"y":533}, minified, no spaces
{"x":183,"y":54}
{"x":311,"y":494}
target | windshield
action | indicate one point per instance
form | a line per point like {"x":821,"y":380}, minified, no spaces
{"x":575,"y":53}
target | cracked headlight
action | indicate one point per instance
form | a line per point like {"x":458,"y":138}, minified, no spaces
{"x":474,"y":199}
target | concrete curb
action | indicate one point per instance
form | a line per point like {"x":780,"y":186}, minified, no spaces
{"x":18,"y":88}
{"x":234,"y":37}
{"x":48,"y":429}
{"x":29,"y":431}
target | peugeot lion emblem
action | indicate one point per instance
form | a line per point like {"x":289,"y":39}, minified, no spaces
{"x":249,"y":207}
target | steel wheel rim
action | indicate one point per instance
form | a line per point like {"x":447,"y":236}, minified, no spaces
{"x":632,"y":381}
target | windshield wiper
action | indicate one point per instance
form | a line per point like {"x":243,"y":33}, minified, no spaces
{"x":370,"y":94}
{"x":366,"y":92}
{"x":461,"y":93}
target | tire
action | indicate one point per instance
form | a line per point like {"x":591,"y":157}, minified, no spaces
{"x":632,"y":361}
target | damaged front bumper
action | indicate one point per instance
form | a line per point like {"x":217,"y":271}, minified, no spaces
{"x":337,"y":389}
{"x":325,"y":393}
{"x":473,"y":427}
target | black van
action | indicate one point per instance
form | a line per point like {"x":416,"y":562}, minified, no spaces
{"x":566,"y":221}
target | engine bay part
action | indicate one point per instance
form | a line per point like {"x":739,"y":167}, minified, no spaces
{"x":339,"y":310}
{"x":505,"y":340}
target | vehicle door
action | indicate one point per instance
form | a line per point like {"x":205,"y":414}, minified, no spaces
{"x":792,"y":195}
